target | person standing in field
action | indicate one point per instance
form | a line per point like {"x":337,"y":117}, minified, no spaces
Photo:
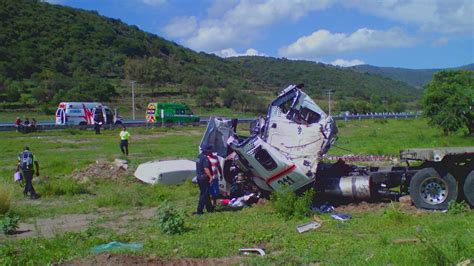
{"x":26,"y":160}
{"x":124,"y":136}
{"x":204,"y":177}
{"x":216,"y":172}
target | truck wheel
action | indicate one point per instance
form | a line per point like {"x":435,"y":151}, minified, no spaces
{"x":430,"y":190}
{"x":469,"y":189}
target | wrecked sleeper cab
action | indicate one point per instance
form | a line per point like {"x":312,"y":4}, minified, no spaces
{"x":285,"y":150}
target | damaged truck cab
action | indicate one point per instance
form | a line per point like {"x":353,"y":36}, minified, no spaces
{"x":286,"y":148}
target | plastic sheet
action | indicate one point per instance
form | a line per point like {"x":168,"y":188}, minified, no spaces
{"x":117,"y":246}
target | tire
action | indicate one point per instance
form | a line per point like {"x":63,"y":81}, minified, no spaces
{"x":82,"y":125}
{"x":469,"y":189}
{"x":430,"y":190}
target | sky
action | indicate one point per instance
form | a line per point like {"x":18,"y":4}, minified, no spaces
{"x":395,"y":33}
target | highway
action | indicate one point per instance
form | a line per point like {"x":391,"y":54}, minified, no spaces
{"x":50,"y":125}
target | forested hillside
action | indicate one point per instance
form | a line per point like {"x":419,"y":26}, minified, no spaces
{"x":414,"y":77}
{"x":50,"y":53}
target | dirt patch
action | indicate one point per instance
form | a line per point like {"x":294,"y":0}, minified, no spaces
{"x":49,"y":227}
{"x":127,"y":259}
{"x":101,"y":170}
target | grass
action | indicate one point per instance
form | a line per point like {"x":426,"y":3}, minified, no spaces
{"x":368,"y":238}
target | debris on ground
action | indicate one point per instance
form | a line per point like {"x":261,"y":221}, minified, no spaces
{"x":257,"y":251}
{"x":122,"y":164}
{"x":307,"y":227}
{"x":101,"y":170}
{"x":170,"y":172}
{"x":341,"y":216}
{"x":405,"y":200}
{"x":117,"y":246}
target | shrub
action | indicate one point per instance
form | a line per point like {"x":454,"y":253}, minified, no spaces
{"x":5,"y":199}
{"x":9,"y":223}
{"x":170,"y":221}
{"x":457,"y":207}
{"x":288,"y":204}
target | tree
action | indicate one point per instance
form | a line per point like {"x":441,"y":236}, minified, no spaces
{"x":448,"y":100}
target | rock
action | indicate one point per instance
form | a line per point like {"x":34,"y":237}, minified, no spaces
{"x":405,"y":200}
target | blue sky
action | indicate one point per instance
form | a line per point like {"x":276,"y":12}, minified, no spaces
{"x":397,"y":33}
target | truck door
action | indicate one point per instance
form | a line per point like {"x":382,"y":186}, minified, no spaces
{"x":60,"y":116}
{"x":109,"y":116}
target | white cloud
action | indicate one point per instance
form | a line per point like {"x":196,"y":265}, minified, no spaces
{"x":453,"y":16}
{"x":323,"y":42}
{"x":154,"y":2}
{"x":229,"y":52}
{"x":347,"y":63}
{"x":238,"y":23}
{"x":180,"y":27}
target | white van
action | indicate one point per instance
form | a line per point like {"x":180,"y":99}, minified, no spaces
{"x":82,"y":113}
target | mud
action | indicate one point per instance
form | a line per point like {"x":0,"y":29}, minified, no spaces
{"x":127,"y":259}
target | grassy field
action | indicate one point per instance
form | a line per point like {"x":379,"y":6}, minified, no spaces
{"x":370,"y":237}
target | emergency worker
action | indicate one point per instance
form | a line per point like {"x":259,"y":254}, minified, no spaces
{"x":204,"y":178}
{"x":26,"y":160}
{"x":124,"y":136}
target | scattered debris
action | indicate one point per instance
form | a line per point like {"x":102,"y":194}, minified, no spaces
{"x":246,"y":251}
{"x":101,"y":170}
{"x":169,"y":172}
{"x":325,"y":208}
{"x":307,"y":227}
{"x":405,"y":200}
{"x":115,"y":245}
{"x":122,"y":164}
{"x":465,"y":263}
{"x":341,"y":216}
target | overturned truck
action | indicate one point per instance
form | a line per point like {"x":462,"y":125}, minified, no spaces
{"x":285,"y":151}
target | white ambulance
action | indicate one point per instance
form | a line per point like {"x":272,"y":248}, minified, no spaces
{"x":82,"y":113}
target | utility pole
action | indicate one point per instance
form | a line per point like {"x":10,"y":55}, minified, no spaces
{"x":133,"y":98}
{"x":329,"y":100}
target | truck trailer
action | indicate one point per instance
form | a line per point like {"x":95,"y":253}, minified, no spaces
{"x":286,"y":148}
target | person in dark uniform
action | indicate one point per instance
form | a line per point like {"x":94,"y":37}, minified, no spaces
{"x":204,"y":177}
{"x":26,"y":160}
{"x":98,"y":120}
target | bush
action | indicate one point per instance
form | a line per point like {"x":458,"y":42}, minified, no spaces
{"x":289,"y":205}
{"x":457,"y":207}
{"x":170,"y":221}
{"x":5,"y":199}
{"x":9,"y":223}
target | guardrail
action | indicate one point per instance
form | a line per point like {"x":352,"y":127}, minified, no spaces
{"x":49,"y":125}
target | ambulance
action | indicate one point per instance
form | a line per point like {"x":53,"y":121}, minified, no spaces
{"x":82,"y":113}
{"x":170,"y":113}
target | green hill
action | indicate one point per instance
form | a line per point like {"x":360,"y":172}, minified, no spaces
{"x":50,"y":53}
{"x":413,"y":77}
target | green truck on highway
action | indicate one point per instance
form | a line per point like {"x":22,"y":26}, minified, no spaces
{"x":170,"y":113}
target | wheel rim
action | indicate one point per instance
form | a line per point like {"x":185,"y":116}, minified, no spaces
{"x":434,"y":190}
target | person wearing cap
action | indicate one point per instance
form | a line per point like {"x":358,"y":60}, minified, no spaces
{"x":124,"y":136}
{"x":204,"y":178}
{"x":26,"y":160}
